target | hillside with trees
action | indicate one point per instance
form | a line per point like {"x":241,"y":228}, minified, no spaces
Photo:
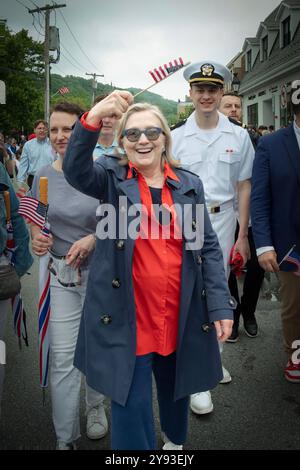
{"x":81,"y":92}
{"x":21,"y":68}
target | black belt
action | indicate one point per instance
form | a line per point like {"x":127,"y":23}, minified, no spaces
{"x":56,"y":256}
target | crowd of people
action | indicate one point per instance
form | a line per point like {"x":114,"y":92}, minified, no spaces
{"x":146,"y":226}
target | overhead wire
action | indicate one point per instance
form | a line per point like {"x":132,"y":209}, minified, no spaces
{"x":75,"y":39}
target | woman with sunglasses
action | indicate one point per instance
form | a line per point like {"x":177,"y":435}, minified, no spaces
{"x":155,"y":303}
{"x":72,"y":218}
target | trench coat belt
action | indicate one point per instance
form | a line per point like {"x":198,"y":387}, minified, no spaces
{"x":219,"y":208}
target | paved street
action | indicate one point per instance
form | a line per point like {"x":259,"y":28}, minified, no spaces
{"x":258,"y":410}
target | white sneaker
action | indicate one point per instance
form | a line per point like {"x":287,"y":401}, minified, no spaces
{"x":96,"y":424}
{"x":61,"y":445}
{"x":169,"y":445}
{"x":201,"y":403}
{"x":226,"y":376}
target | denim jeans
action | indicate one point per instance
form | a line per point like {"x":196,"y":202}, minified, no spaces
{"x":65,"y":379}
{"x":132,"y":425}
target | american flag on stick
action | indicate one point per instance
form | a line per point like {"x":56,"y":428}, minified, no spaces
{"x":294,"y":258}
{"x":63,"y":90}
{"x":33,"y":210}
{"x":165,"y":70}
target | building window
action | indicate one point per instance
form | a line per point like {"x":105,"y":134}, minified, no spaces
{"x":286,"y":32}
{"x":265,"y":48}
{"x":252,"y":114}
{"x":249,"y":61}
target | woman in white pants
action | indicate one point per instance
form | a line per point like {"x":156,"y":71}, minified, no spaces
{"x":72,"y":218}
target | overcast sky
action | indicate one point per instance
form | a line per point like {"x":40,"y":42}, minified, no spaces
{"x":124,"y":39}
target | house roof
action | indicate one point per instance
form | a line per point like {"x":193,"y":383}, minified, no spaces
{"x":278,"y":56}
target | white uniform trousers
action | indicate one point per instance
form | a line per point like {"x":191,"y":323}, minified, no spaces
{"x":65,"y":379}
{"x":224,"y":224}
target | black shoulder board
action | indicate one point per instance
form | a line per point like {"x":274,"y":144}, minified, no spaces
{"x":187,"y":171}
{"x":234,"y":121}
{"x":179,"y":124}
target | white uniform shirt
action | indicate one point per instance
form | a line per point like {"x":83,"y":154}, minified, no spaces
{"x":221,"y":157}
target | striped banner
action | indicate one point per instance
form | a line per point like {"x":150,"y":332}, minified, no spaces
{"x":160,"y":73}
{"x":19,"y":316}
{"x":44,"y":315}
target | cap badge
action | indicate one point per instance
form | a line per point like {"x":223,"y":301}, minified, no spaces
{"x":207,"y":70}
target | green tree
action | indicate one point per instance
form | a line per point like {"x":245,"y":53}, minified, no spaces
{"x":21,"y":68}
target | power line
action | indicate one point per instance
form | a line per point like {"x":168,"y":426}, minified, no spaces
{"x":33,"y":24}
{"x":74,"y":65}
{"x":37,"y":6}
{"x":78,"y":44}
{"x":64,"y":47}
{"x":22,"y":4}
{"x":58,"y":69}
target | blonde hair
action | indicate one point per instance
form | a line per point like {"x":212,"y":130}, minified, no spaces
{"x":138,"y":108}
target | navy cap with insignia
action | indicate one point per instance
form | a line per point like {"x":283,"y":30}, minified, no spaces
{"x":207,"y":72}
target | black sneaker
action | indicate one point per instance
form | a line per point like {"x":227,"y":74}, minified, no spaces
{"x":251,"y":328}
{"x":234,"y":334}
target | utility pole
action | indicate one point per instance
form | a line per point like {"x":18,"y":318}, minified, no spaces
{"x":94,"y":75}
{"x":47,"y":9}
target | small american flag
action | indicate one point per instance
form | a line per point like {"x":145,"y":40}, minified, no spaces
{"x":33,"y":210}
{"x":294,"y":258}
{"x":160,"y":73}
{"x":63,"y":90}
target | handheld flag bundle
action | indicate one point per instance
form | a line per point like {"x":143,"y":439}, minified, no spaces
{"x":44,"y":295}
{"x":18,"y":310}
{"x":36,"y":212}
{"x":164,"y":71}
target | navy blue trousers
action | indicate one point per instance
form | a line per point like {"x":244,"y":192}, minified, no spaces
{"x":132,"y":425}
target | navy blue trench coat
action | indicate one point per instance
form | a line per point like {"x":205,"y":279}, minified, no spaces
{"x":106,"y":347}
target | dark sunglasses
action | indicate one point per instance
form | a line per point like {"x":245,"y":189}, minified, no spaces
{"x":133,"y":135}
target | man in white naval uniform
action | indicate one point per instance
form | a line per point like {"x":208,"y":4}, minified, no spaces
{"x":221,"y":154}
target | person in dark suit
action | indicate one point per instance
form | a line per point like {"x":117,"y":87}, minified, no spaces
{"x":154,"y":303}
{"x":276,"y":224}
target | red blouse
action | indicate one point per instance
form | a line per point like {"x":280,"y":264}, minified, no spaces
{"x":156,"y":275}
{"x":156,"y":272}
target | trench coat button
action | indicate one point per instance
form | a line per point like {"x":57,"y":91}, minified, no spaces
{"x":232,"y":303}
{"x":199,"y":259}
{"x":206,"y":327}
{"x":116,"y":283}
{"x":120,"y":244}
{"x":203,"y":294}
{"x":194,"y":225}
{"x":106,"y":319}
